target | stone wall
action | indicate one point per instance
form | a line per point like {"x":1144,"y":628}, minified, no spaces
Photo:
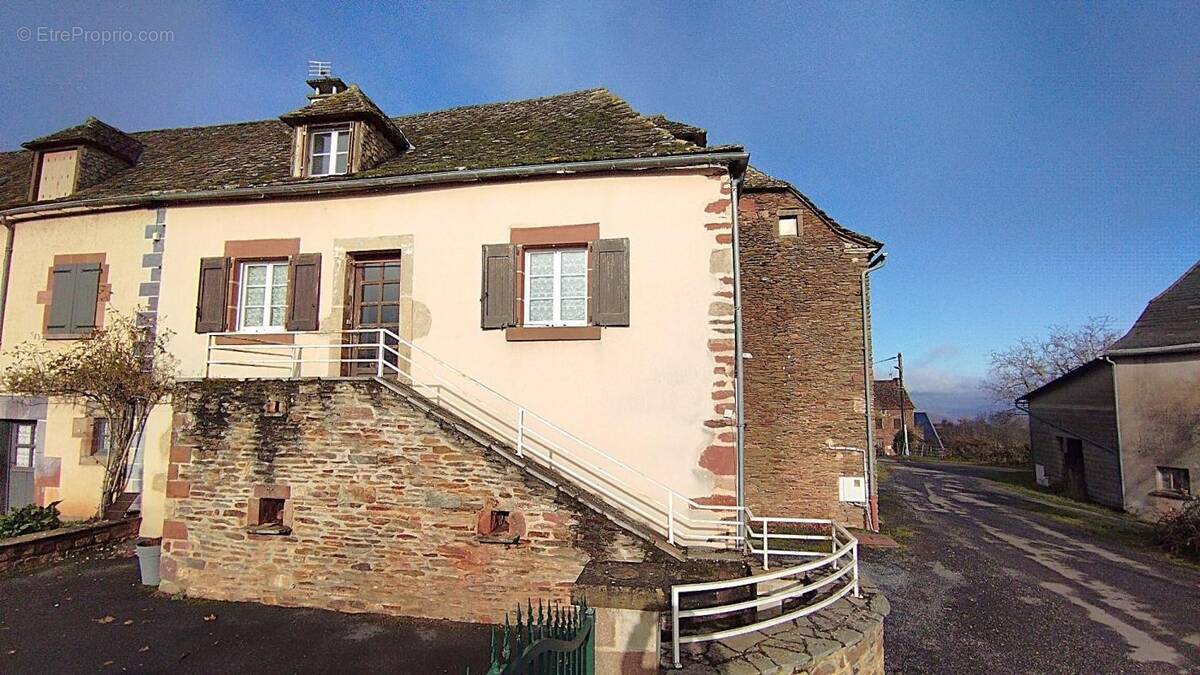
{"x":39,"y":548}
{"x":385,"y":507}
{"x":802,"y":317}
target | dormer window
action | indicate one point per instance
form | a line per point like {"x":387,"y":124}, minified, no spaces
{"x":329,"y":151}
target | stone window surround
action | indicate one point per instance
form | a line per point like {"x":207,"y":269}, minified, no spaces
{"x":553,"y":236}
{"x":269,"y":491}
{"x":254,"y":250}
{"x":103,"y":292}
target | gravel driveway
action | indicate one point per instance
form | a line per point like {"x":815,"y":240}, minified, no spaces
{"x":985,"y":585}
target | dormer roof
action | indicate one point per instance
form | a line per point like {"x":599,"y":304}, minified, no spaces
{"x":344,"y":106}
{"x":95,"y":133}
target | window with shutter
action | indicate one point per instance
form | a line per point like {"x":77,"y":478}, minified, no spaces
{"x":74,"y":299}
{"x":304,"y":294}
{"x":611,"y":298}
{"x":497,"y":300}
{"x":212,"y":296}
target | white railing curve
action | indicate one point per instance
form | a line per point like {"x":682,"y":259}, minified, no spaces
{"x":772,"y":589}
{"x":679,"y":519}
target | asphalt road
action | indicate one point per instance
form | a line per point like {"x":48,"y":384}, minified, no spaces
{"x":91,"y":615}
{"x":984,"y":585}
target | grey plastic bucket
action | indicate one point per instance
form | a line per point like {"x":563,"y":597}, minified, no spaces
{"x":148,"y":563}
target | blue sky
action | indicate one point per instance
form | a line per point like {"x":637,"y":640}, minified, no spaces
{"x":1026,"y":163}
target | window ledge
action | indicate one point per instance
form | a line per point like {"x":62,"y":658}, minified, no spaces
{"x":67,"y":336}
{"x":1170,"y":494}
{"x":257,"y":339}
{"x":535,"y":334}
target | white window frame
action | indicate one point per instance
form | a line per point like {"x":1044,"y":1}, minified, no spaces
{"x":333,"y":133}
{"x":556,"y":319}
{"x":1181,"y":472}
{"x":23,"y":452}
{"x":795,"y":218}
{"x":273,"y":267}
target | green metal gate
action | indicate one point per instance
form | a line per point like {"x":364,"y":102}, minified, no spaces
{"x":559,"y":640}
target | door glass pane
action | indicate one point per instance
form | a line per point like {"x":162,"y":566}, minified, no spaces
{"x":370,"y":293}
{"x":25,"y":434}
{"x":371,"y":273}
{"x":389,"y":314}
{"x":391,"y":271}
{"x":391,"y":292}
{"x":368,"y":315}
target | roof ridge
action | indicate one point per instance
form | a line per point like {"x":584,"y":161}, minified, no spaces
{"x":506,"y":102}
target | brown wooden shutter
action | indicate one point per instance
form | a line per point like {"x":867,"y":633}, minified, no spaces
{"x":498,"y":306}
{"x":87,"y":290}
{"x":610,"y":301}
{"x":304,"y":292}
{"x":62,"y":299}
{"x":213,"y":295}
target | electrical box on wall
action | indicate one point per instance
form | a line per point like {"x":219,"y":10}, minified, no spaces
{"x":852,"y":489}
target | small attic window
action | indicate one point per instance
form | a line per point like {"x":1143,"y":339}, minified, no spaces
{"x":329,"y":151}
{"x":56,"y":175}
{"x":789,"y":224}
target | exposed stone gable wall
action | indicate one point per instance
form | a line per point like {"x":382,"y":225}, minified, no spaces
{"x":384,"y":506}
{"x":802,"y":316}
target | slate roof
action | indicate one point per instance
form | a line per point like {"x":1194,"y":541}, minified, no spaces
{"x":593,"y":124}
{"x":889,"y":394}
{"x":681,"y":130}
{"x":93,"y":132}
{"x":1170,"y":320}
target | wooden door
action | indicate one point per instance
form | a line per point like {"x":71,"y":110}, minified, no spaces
{"x":1074,"y":473}
{"x":17,"y":439}
{"x":374,"y":304}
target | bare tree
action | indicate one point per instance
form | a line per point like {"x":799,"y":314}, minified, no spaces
{"x":1032,"y":362}
{"x":123,"y":369}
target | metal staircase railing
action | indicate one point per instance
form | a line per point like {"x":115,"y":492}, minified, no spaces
{"x":680,"y":520}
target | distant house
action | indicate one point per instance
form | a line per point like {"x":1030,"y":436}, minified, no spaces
{"x":928,"y":431}
{"x":1124,"y":429}
{"x":891,"y":405}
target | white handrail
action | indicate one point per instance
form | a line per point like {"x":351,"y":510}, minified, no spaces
{"x":842,"y":562}
{"x":679,"y":523}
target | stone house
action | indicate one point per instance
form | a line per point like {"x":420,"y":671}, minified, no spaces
{"x":1123,"y":430}
{"x":459,"y":355}
{"x":894,"y":410}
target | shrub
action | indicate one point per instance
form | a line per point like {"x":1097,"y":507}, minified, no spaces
{"x":29,"y":519}
{"x":1179,"y":531}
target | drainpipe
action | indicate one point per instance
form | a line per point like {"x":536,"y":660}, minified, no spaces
{"x":8,"y":249}
{"x":739,"y":371}
{"x":1117,"y":423}
{"x":874,"y":263}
